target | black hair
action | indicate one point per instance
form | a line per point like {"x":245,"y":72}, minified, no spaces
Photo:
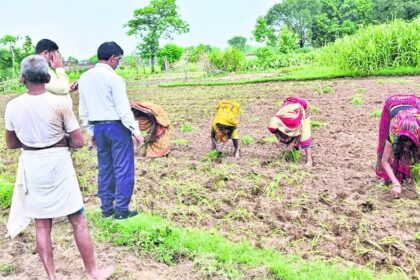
{"x":402,"y":142}
{"x":227,"y":128}
{"x":108,"y":49}
{"x":45,"y":45}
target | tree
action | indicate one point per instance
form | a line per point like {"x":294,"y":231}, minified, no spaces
{"x":238,"y":42}
{"x":287,"y":41}
{"x":10,"y":42}
{"x":387,"y":10}
{"x":170,"y":53}
{"x":338,"y":18}
{"x":296,"y":14}
{"x":263,"y":32}
{"x":158,"y":20}
{"x":28,"y":47}
{"x":72,"y":59}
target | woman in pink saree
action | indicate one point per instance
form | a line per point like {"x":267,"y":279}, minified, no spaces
{"x":399,"y":141}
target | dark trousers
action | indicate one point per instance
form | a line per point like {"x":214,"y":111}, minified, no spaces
{"x":116,"y":166}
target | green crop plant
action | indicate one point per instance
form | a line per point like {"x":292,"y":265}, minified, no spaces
{"x":357,"y":100}
{"x":417,"y":236}
{"x":293,"y":156}
{"x":361,"y":90}
{"x":186,"y":127}
{"x":415,"y":171}
{"x":376,"y":113}
{"x":180,"y":141}
{"x":247,"y":140}
{"x":213,"y":154}
{"x":5,"y":269}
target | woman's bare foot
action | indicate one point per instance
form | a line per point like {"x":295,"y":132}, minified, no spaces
{"x":101,"y":274}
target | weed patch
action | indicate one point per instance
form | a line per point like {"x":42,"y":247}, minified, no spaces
{"x":293,"y":156}
{"x":325,"y":90}
{"x":317,"y":124}
{"x":186,"y":127}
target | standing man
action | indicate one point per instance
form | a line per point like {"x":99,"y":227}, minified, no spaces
{"x":46,"y":185}
{"x":59,"y":83}
{"x":106,"y":113}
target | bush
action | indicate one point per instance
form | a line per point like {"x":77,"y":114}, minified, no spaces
{"x":395,"y":44}
{"x":194,"y":53}
{"x":230,"y":60}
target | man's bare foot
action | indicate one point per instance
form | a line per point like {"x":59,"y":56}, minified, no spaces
{"x":101,"y":274}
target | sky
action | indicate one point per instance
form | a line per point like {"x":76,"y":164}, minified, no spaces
{"x":80,"y":26}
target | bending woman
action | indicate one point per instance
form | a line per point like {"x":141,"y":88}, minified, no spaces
{"x":225,"y":126}
{"x":155,"y":122}
{"x":292,"y":126}
{"x":399,"y":135}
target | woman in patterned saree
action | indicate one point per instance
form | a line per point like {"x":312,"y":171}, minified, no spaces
{"x":154,"y":121}
{"x":399,"y":141}
{"x":292,"y":126}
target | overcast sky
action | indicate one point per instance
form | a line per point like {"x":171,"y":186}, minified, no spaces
{"x":80,"y":26}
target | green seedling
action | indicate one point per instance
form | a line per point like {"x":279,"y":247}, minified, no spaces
{"x":357,"y":100}
{"x":317,"y":124}
{"x":180,"y":141}
{"x":5,"y":269}
{"x":213,"y":154}
{"x":186,"y":127}
{"x":415,"y":171}
{"x":293,"y":156}
{"x":376,"y":114}
{"x":417,"y":235}
{"x":247,"y":140}
{"x":361,"y":90}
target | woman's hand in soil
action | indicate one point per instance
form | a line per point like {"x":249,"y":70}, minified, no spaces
{"x":396,"y":190}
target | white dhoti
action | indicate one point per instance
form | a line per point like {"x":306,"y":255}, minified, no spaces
{"x":46,"y":187}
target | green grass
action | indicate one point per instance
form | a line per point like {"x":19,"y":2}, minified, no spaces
{"x":247,"y":140}
{"x":180,"y":141}
{"x":305,"y":73}
{"x":186,"y":127}
{"x":376,"y":113}
{"x":168,"y":243}
{"x":6,"y":191}
{"x":325,"y":90}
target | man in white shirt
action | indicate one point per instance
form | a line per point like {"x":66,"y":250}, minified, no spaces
{"x":59,"y":83}
{"x":106,"y":114}
{"x":46,"y":182}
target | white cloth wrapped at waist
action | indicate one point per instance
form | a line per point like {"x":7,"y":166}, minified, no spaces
{"x":46,"y":187}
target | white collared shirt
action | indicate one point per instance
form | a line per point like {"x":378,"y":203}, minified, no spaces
{"x":103,"y":97}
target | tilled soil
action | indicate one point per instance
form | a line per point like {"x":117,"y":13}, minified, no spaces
{"x":338,"y":209}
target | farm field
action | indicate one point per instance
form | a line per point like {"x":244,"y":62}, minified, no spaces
{"x":337,"y":210}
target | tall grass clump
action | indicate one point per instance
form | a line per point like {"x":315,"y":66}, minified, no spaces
{"x":6,"y":192}
{"x":391,"y":45}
